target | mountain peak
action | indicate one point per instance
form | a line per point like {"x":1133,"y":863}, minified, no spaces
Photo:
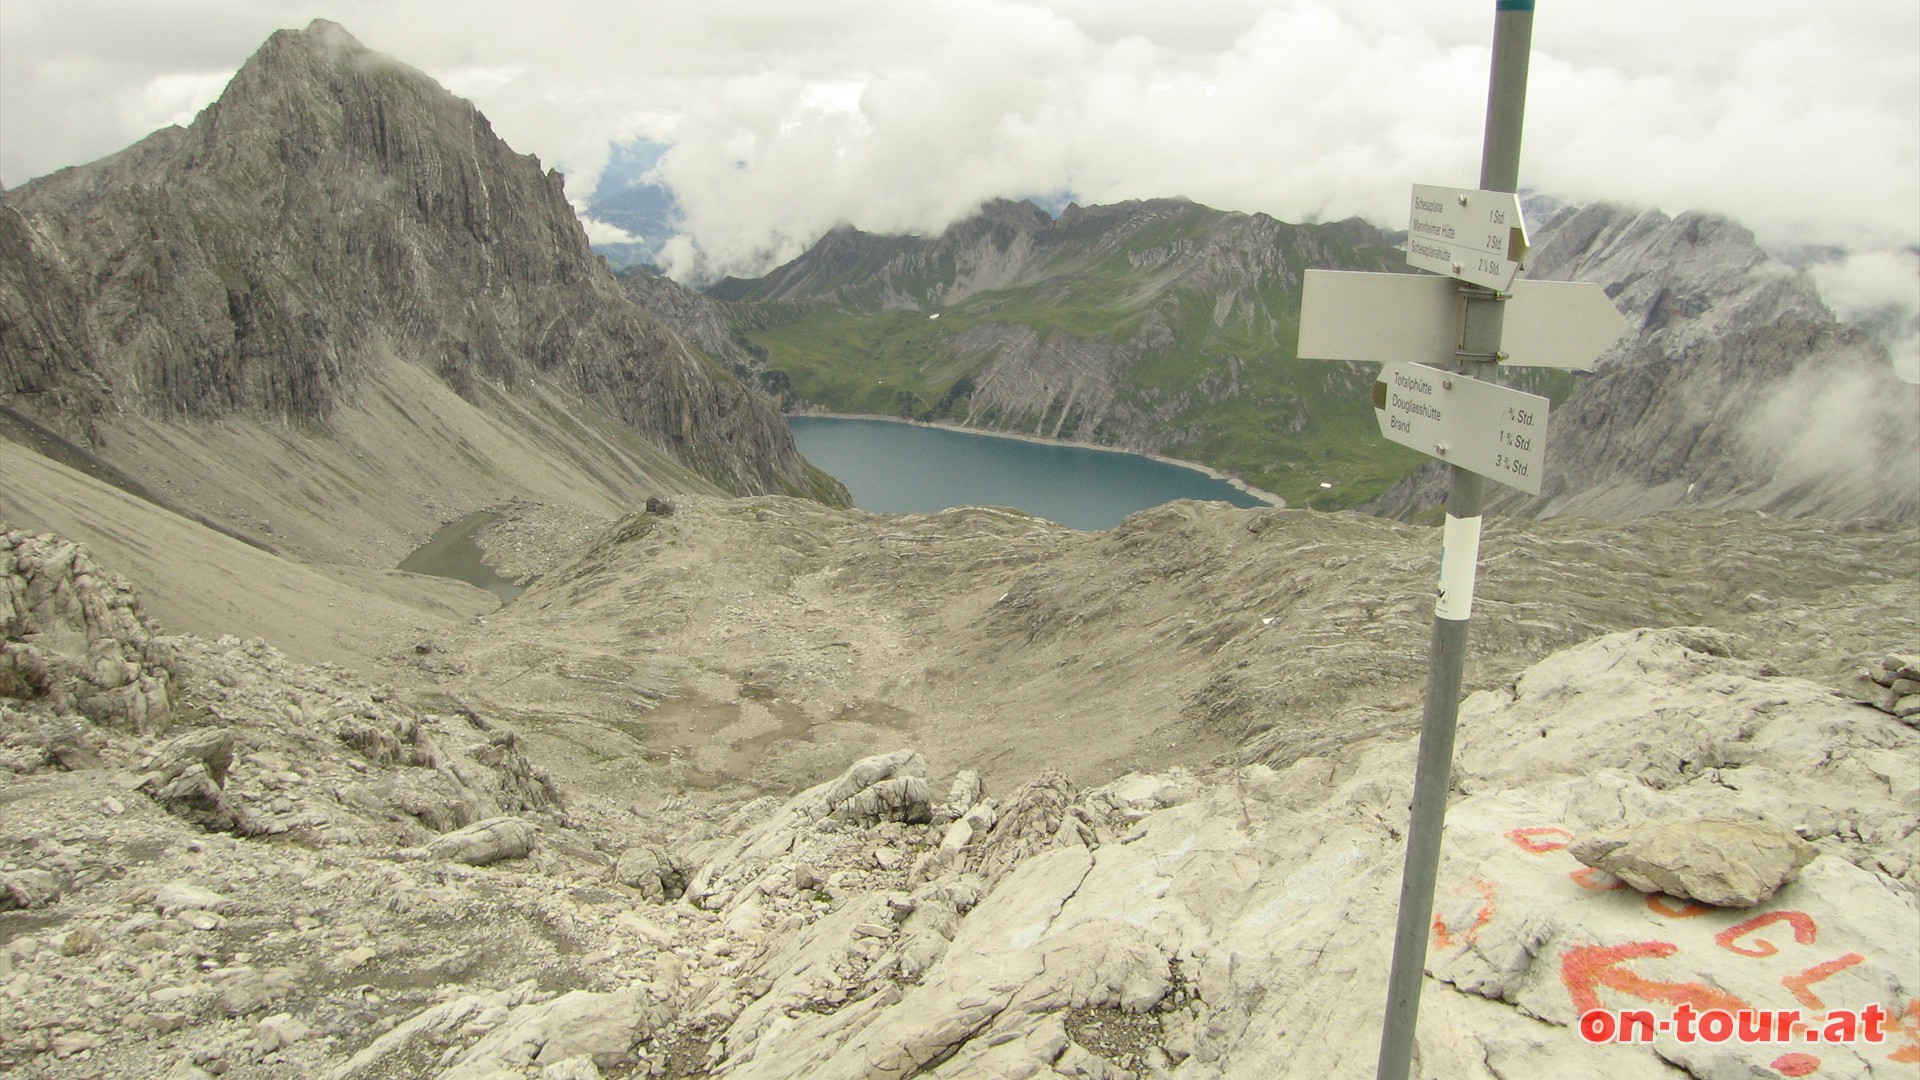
{"x":322,"y":42}
{"x":335,"y":207}
{"x":329,"y":30}
{"x":323,"y":49}
{"x":321,"y":36}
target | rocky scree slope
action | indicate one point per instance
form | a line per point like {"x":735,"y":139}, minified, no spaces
{"x":168,"y":802}
{"x":333,"y":213}
{"x":1193,"y":630}
{"x":248,"y":868}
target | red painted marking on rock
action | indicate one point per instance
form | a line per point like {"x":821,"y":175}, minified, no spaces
{"x":1525,"y":839}
{"x":1443,"y":937}
{"x":1586,"y":968}
{"x":1584,"y":877}
{"x":1805,"y":930}
{"x":1907,"y":1027}
{"x":1800,"y":983}
{"x":1796,"y":1064}
{"x":1657,"y":903}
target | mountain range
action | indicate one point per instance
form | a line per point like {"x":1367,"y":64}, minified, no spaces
{"x":1736,"y":387}
{"x":1169,"y":327}
{"x":1148,"y":326}
{"x":276,"y":277}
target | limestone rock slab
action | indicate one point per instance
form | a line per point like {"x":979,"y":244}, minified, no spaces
{"x":1723,"y":863}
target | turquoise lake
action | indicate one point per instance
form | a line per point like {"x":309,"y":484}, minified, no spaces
{"x":898,"y":468}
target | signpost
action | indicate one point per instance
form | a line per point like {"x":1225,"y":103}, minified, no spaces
{"x":1381,"y":318}
{"x":1475,"y":236}
{"x":1482,"y":427}
{"x":1476,"y":317}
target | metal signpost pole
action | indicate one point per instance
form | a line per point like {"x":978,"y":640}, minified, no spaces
{"x":1459,"y":556}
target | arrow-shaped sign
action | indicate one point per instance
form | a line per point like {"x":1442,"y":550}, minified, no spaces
{"x":1483,"y":427}
{"x":1466,"y":234}
{"x":1379,"y":318}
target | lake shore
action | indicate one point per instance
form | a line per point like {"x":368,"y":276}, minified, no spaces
{"x":1238,"y":484}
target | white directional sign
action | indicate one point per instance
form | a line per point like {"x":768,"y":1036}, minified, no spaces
{"x":1483,"y":427}
{"x":1379,"y":318}
{"x":1474,"y":236}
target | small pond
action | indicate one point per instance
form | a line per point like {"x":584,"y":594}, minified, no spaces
{"x":453,"y":553}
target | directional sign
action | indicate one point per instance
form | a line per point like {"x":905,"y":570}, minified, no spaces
{"x":1473,"y":236}
{"x":1379,"y":318}
{"x":1483,"y":427}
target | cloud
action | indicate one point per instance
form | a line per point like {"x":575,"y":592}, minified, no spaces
{"x":1308,"y":112}
{"x":1300,"y":115}
{"x":600,"y":232}
{"x":472,"y":82}
{"x":1835,"y":425}
{"x":1878,"y":291}
{"x":176,"y":97}
{"x":788,"y":119}
{"x":1759,"y":134}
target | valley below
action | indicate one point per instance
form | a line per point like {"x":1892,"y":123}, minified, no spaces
{"x":769,"y":788}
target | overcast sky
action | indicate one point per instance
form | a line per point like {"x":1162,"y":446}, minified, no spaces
{"x":1800,"y":120}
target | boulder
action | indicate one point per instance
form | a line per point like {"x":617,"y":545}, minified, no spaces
{"x":1040,"y":816}
{"x":78,"y":637}
{"x":177,"y":897}
{"x":850,"y":796}
{"x":432,"y":1027}
{"x":188,"y":776}
{"x":883,"y":788}
{"x":27,"y":889}
{"x":600,"y":1027}
{"x":659,"y":874}
{"x":276,"y":1033}
{"x":1718,"y":862}
{"x":900,"y":798}
{"x":485,"y":842}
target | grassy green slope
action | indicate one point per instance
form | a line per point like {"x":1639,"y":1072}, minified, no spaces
{"x":1198,"y":309}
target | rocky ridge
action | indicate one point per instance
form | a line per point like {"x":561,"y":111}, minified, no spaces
{"x":696,"y":317}
{"x":282,"y":869}
{"x":333,"y":215}
{"x":1678,"y":281}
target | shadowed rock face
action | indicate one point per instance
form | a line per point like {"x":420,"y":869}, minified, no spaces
{"x":48,"y":361}
{"x":335,"y":204}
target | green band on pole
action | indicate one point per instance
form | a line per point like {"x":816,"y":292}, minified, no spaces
{"x":1513,"y":5}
